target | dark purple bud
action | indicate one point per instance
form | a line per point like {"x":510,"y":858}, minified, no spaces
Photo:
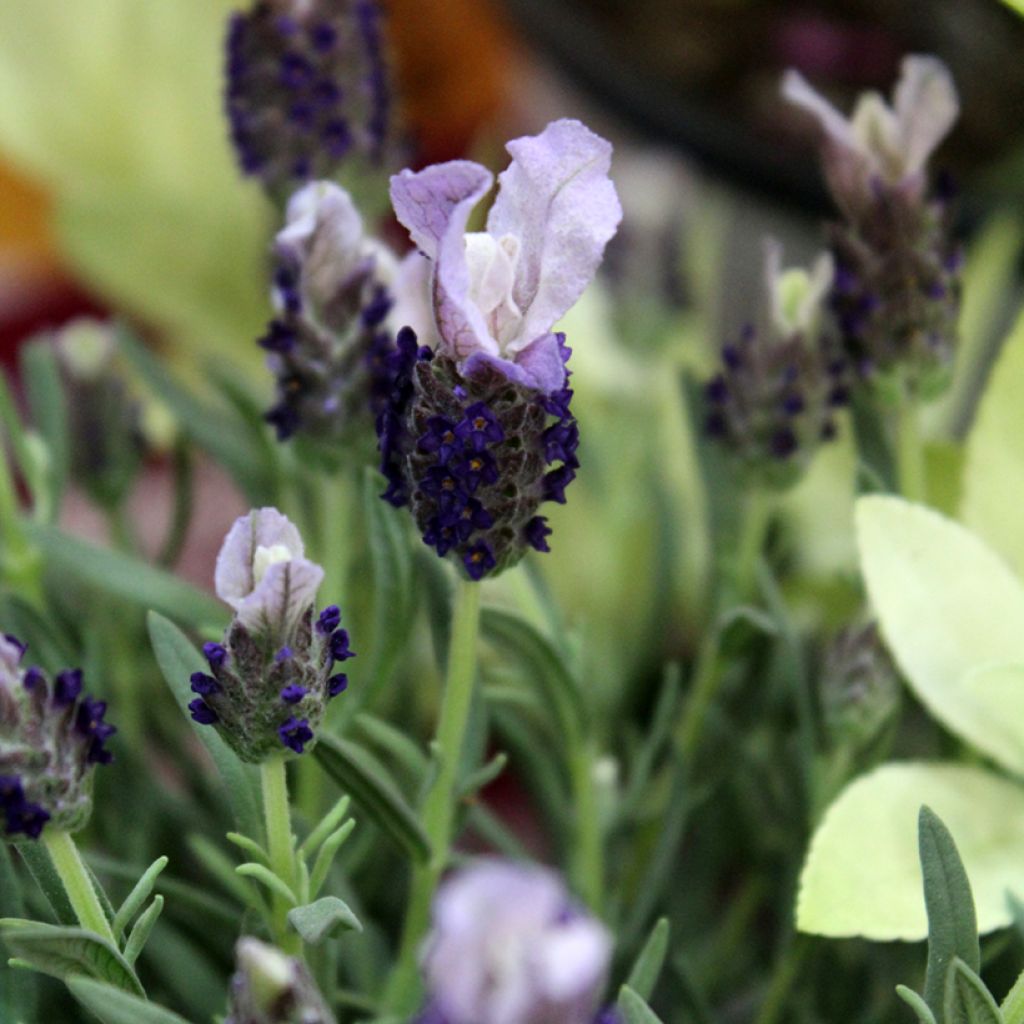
{"x":537,"y":531}
{"x":203,"y":684}
{"x":340,"y":646}
{"x":293,"y":693}
{"x":202,"y":712}
{"x":295,"y":734}
{"x":216,"y":654}
{"x":34,"y":678}
{"x":337,"y":684}
{"x":67,"y":686}
{"x":329,"y":618}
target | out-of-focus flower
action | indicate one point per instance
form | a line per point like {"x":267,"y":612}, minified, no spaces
{"x":51,"y":737}
{"x":269,"y":987}
{"x":270,"y":680}
{"x":472,"y":428}
{"x":509,"y":946}
{"x":307,"y":89}
{"x":774,"y":399}
{"x":330,"y":340}
{"x":896,"y":291}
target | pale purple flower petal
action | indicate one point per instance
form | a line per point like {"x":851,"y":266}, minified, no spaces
{"x":262,"y":574}
{"x":435,"y":204}
{"x":557,"y":199}
{"x":411,"y":290}
{"x":801,"y":93}
{"x":508,"y":947}
{"x":926,"y":107}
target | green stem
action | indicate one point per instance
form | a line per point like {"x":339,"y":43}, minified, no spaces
{"x":20,"y":564}
{"x":703,"y":687}
{"x":274,"y":780}
{"x":439,"y":805}
{"x":337,"y":496}
{"x":756,"y":517}
{"x":77,"y":883}
{"x":787,"y":969}
{"x":586,"y":867}
{"x":910,"y":451}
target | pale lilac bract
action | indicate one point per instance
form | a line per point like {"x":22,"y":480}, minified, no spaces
{"x":262,"y":573}
{"x":508,"y":946}
{"x":497,"y":294}
{"x":890,"y":144}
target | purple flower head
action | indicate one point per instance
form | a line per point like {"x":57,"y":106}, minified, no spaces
{"x":497,"y":294}
{"x":504,"y":950}
{"x":262,"y":574}
{"x":882,"y":143}
{"x":295,"y":733}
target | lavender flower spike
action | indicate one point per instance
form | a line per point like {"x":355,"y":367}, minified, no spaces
{"x":498,"y":294}
{"x":890,"y":144}
{"x":262,"y":574}
{"x":509,"y":947}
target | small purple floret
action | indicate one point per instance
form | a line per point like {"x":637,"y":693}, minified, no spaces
{"x":293,"y":693}
{"x":216,"y":654}
{"x":67,"y":686}
{"x":202,"y":712}
{"x":295,"y":733}
{"x":337,"y":684}
{"x":329,"y":618}
{"x":203,"y":684}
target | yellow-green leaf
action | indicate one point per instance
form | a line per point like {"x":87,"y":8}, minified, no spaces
{"x":948,"y":606}
{"x":863,"y":875}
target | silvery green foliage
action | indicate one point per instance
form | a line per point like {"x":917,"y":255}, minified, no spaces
{"x":509,"y":946}
{"x":271,"y":988}
{"x":897,"y":286}
{"x":270,"y":680}
{"x":51,"y":737}
{"x":774,"y":400}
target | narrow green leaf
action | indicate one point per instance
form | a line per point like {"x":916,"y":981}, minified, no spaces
{"x":222,"y":869}
{"x":385,"y":737}
{"x":138,"y":896}
{"x":48,"y":411}
{"x":140,"y":933}
{"x":520,"y":641}
{"x":373,"y":792}
{"x":17,"y":988}
{"x":249,"y":846}
{"x":917,"y":1004}
{"x":269,"y":879}
{"x":62,"y":952}
{"x":325,"y":858}
{"x":328,"y":824}
{"x":37,"y":860}
{"x":952,"y":929}
{"x":317,"y":921}
{"x":634,"y":1009}
{"x":647,"y":967}
{"x":966,"y":1000}
{"x":112,"y":1006}
{"x":178,"y":659}
{"x":1013,"y":1005}
{"x":483,"y":776}
{"x":113,"y":572}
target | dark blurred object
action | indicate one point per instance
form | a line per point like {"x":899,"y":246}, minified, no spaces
{"x":703,"y":75}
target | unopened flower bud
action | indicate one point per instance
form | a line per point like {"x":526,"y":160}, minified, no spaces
{"x":271,"y":678}
{"x":509,"y":946}
{"x":860,"y":690}
{"x":774,"y":400}
{"x":307,"y":89}
{"x":272,"y":988}
{"x":51,"y":737}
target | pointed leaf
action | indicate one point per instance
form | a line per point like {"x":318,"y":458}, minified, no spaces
{"x":994,"y":468}
{"x":644,"y":975}
{"x":373,"y":792}
{"x":1012,"y":1008}
{"x":178,"y":659}
{"x":967,"y":1000}
{"x":862,"y":874}
{"x":63,"y":952}
{"x":948,"y":606}
{"x":112,"y":1006}
{"x":952,"y":930}
{"x":917,"y":1004}
{"x":318,"y":921}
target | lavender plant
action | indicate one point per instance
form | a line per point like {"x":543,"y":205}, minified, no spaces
{"x":583,"y":788}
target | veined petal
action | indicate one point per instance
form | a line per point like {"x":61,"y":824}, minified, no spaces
{"x":926,"y":106}
{"x":234,"y":577}
{"x":434,"y":205}
{"x":557,"y":198}
{"x":278,"y":601}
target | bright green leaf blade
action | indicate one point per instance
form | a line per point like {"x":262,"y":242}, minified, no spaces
{"x":994,"y":469}
{"x":947,"y":605}
{"x":644,"y":974}
{"x":917,"y":1004}
{"x":178,"y":659}
{"x":113,"y":1006}
{"x":62,"y":952}
{"x":317,"y":921}
{"x":952,"y":930}
{"x":862,"y":874}
{"x":1012,"y":1007}
{"x":373,"y":792}
{"x":634,"y":1009}
{"x":967,"y":1000}
{"x":115,"y":573}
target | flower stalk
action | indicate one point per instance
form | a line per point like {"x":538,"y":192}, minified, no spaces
{"x":277,"y":817}
{"x":77,"y":884}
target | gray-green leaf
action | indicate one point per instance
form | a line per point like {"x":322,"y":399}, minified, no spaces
{"x":113,"y":1006}
{"x":634,"y":1009}
{"x":317,"y":921}
{"x":62,"y":952}
{"x":967,"y":1000}
{"x":644,"y":975}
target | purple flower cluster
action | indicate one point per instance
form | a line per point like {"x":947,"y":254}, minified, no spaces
{"x":307,"y":87}
{"x":473,"y":455}
{"x":51,"y":735}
